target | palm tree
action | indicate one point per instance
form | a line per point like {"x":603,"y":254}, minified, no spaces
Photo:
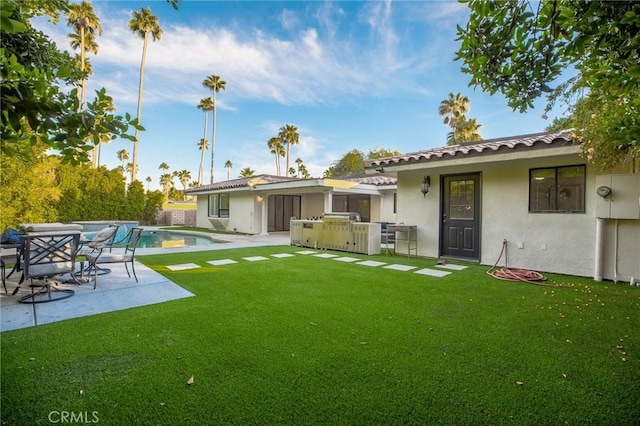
{"x":299,"y":163}
{"x":228,"y":165}
{"x":206,"y":105}
{"x":148,"y":182}
{"x":247,"y":172}
{"x":184,"y":176}
{"x":82,"y":18}
{"x":203,"y":145}
{"x":289,"y":135}
{"x":275,"y":147}
{"x":103,"y":138}
{"x":131,"y":169}
{"x":216,"y":84}
{"x":123,"y":156}
{"x":164,"y":166}
{"x":302,"y":171}
{"x":453,"y":110}
{"x":466,"y":130}
{"x":166,"y":182}
{"x":292,"y":172}
{"x":143,"y":23}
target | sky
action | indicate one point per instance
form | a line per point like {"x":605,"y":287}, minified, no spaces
{"x":348,"y":74}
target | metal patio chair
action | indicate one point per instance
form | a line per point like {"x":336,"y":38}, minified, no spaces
{"x":47,"y":256}
{"x":106,"y":254}
{"x":104,"y":237}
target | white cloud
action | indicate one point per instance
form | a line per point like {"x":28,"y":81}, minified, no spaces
{"x":306,"y":67}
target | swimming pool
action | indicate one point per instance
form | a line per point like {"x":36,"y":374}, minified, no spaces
{"x":150,"y":239}
{"x":168,"y":239}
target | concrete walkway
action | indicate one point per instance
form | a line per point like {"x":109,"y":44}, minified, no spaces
{"x":115,"y":291}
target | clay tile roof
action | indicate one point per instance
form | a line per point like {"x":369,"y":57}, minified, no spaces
{"x":371,"y":179}
{"x":240,"y":183}
{"x":484,"y":147}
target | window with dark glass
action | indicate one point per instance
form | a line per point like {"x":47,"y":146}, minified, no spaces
{"x":353,"y":203}
{"x":557,"y":189}
{"x":219,"y":205}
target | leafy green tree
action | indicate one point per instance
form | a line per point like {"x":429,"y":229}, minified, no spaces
{"x":143,"y":24}
{"x":153,"y":203}
{"x":68,"y":178}
{"x":381,"y":153}
{"x":28,"y":189}
{"x":352,"y":163}
{"x":216,"y":84}
{"x":521,"y":48}
{"x":35,"y":106}
{"x":134,"y":201}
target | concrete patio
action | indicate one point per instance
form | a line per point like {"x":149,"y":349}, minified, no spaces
{"x":115,"y":291}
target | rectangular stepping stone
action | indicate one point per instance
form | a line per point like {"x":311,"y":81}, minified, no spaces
{"x":326,"y":255}
{"x":371,"y":263}
{"x":255,"y":258}
{"x":221,"y":262}
{"x":182,"y":267}
{"x":346,"y":259}
{"x":432,"y":272}
{"x":396,"y":267}
{"x":281,"y":255}
{"x":306,"y":252}
{"x":452,"y":267}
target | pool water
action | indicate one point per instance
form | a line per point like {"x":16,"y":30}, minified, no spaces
{"x":167,"y":239}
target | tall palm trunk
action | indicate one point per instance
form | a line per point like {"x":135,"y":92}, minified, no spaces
{"x":213,"y":134}
{"x":135,"y":142}
{"x":204,"y":138}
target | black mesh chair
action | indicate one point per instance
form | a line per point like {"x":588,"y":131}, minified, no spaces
{"x":46,"y":257}
{"x":107,"y":254}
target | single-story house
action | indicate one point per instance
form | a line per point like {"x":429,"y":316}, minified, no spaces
{"x":555,"y":211}
{"x":266,"y":203}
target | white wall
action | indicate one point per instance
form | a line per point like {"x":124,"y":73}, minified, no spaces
{"x":311,"y":205}
{"x":552,"y":242}
{"x":244,"y":214}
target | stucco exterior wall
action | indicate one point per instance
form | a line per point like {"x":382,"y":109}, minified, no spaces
{"x":550,"y":242}
{"x":244,"y":214}
{"x":311,"y":205}
{"x":385,"y":208}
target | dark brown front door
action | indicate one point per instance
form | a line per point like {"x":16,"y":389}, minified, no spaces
{"x":460,"y":230}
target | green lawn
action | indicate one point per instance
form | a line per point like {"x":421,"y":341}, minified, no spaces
{"x":305,"y":340}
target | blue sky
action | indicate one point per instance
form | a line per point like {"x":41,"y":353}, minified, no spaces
{"x":348,"y":74}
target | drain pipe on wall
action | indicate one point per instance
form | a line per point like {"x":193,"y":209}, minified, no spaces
{"x":597,"y":269}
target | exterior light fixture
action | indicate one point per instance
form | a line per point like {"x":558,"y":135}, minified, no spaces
{"x":426,"y":184}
